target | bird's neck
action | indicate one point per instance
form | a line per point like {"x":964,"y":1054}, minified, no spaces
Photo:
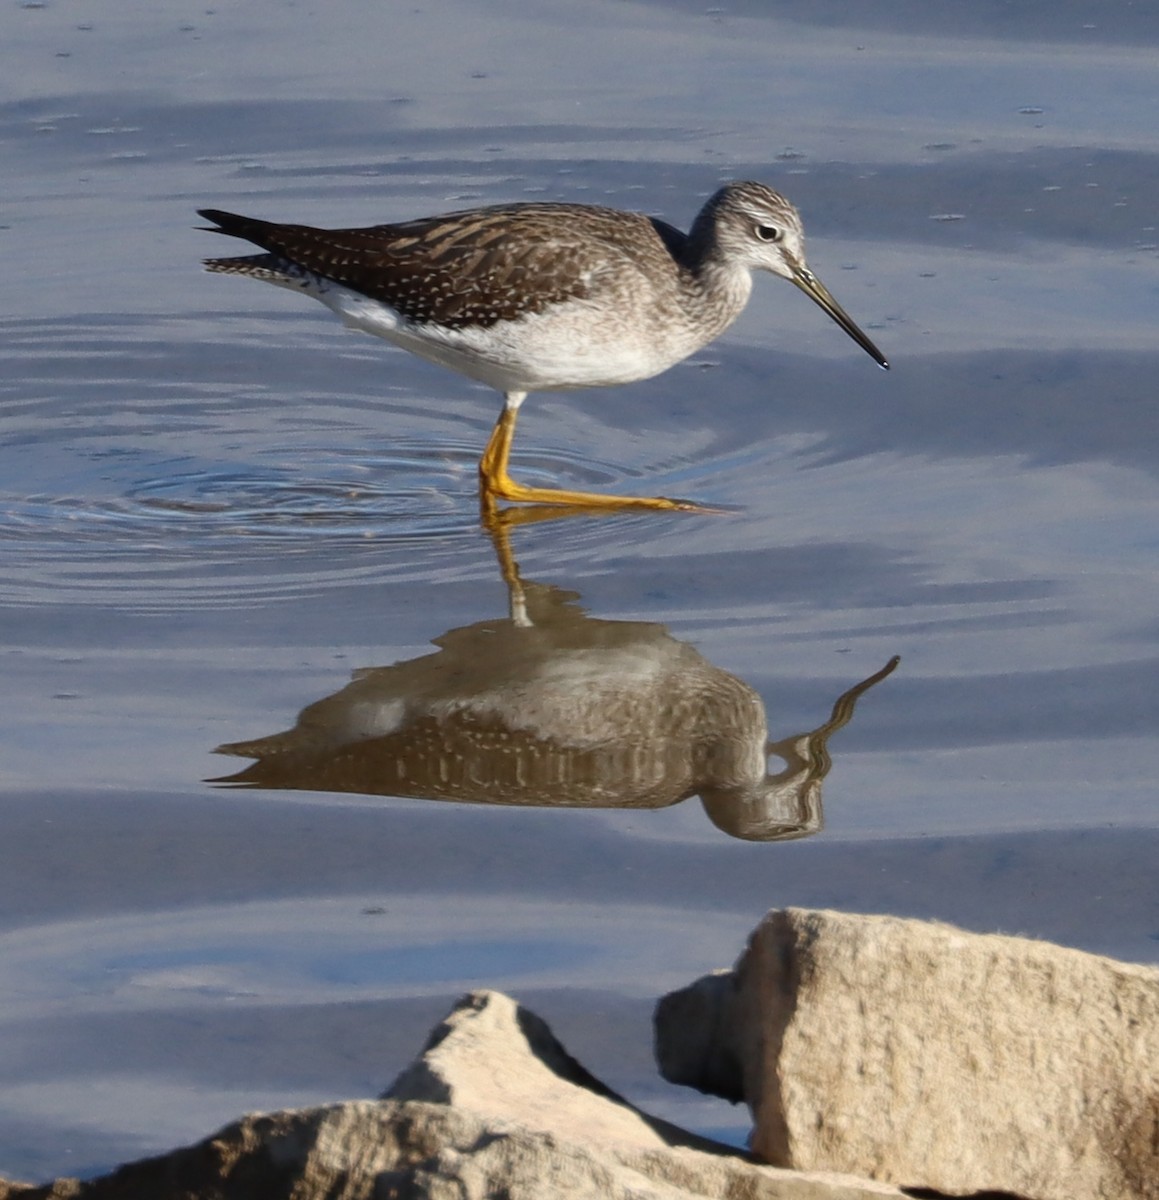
{"x":718,"y":286}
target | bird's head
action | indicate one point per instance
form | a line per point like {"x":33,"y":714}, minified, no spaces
{"x":756,"y":227}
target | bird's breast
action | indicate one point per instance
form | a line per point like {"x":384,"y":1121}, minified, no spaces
{"x":573,"y":344}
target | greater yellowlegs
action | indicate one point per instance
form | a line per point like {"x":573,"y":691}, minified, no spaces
{"x":543,"y":297}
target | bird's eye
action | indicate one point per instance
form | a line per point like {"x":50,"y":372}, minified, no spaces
{"x":768,"y":233}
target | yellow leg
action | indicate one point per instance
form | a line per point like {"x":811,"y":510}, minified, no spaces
{"x":496,"y":483}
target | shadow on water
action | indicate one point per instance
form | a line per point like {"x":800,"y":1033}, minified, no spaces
{"x":549,"y":707}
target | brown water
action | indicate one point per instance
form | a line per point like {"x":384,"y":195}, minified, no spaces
{"x":216,"y":506}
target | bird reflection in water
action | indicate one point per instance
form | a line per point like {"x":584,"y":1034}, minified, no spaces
{"x":550,"y":707}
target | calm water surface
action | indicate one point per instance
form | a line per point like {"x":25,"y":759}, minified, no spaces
{"x":218,"y":509}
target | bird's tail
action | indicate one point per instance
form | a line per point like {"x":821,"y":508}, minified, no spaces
{"x":257,"y":266}
{"x":270,"y":267}
{"x":235,"y":225}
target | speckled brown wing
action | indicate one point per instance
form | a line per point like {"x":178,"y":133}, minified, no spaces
{"x":471,"y":268}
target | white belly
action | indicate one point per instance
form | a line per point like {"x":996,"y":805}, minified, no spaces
{"x":572,"y":345}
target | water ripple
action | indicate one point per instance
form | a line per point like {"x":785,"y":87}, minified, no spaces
{"x":232,"y":536}
{"x":153,"y":464}
{"x":186,"y":534}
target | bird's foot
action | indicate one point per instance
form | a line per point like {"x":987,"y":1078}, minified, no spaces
{"x":491,"y":490}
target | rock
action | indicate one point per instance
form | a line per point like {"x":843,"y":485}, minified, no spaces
{"x":494,"y":1107}
{"x":917,"y":1053}
{"x":493,"y":1056}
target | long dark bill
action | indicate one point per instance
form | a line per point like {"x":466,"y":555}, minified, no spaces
{"x":819,"y":294}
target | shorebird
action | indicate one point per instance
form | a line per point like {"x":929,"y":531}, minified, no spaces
{"x":543,"y":297}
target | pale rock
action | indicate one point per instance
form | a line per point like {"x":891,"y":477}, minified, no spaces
{"x":495,"y":1107}
{"x":917,"y":1053}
